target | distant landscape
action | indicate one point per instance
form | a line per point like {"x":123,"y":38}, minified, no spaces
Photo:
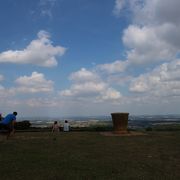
{"x":135,"y":121}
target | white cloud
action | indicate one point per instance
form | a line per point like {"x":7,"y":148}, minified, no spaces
{"x":109,"y":94}
{"x":84,"y":75}
{"x":42,"y":102}
{"x":150,"y":12}
{"x":155,"y":11}
{"x":5,"y":95}
{"x":119,"y":79}
{"x":152,"y":38}
{"x":34,"y":84}
{"x":88,"y":85}
{"x":119,"y":5}
{"x":39,"y":52}
{"x":162,"y":81}
{"x":153,"y":35}
{"x":85,"y":89}
{"x":147,"y":45}
{"x":114,"y":67}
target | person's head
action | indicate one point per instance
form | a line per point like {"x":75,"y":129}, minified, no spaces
{"x":55,"y":122}
{"x":15,"y":113}
{"x":66,"y":121}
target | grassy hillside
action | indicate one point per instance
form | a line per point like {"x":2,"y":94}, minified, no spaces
{"x":89,"y":155}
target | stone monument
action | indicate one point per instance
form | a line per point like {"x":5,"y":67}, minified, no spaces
{"x":120,"y":122}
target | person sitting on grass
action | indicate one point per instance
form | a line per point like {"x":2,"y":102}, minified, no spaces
{"x":8,"y":124}
{"x":55,"y":127}
{"x":66,"y":126}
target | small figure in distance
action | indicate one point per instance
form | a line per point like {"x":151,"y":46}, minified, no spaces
{"x":55,"y":127}
{"x":66,"y":126}
{"x":8,"y":123}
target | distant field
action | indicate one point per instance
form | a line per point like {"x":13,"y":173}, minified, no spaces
{"x":89,"y":155}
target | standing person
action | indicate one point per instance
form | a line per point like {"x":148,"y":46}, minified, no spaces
{"x":8,"y":123}
{"x":66,"y":126}
{"x":55,"y":127}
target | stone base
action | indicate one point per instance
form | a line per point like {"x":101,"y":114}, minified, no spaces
{"x":120,"y":132}
{"x":128,"y":133}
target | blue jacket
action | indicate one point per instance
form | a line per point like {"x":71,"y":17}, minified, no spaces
{"x":9,"y":119}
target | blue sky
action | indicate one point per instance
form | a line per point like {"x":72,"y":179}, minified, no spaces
{"x":89,"y":57}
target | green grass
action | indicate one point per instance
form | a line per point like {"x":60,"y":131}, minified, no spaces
{"x":89,"y":155}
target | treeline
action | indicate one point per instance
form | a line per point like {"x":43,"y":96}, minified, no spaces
{"x":25,"y":125}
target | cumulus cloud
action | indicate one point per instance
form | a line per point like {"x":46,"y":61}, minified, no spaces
{"x":164,"y":80}
{"x":33,"y":84}
{"x":153,"y":36}
{"x":155,"y":11}
{"x":114,"y":67}
{"x":84,"y":75}
{"x":109,"y":94}
{"x":85,"y":89}
{"x":87,"y":84}
{"x":150,"y":12}
{"x":39,"y":52}
{"x":148,"y":45}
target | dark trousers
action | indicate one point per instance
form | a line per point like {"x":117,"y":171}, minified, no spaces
{"x":5,"y":127}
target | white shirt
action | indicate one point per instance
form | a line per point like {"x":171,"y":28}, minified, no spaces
{"x":66,"y":127}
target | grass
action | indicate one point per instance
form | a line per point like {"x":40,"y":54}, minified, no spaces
{"x":89,"y":155}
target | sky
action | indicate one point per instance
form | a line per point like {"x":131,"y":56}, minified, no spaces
{"x":89,"y":57}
